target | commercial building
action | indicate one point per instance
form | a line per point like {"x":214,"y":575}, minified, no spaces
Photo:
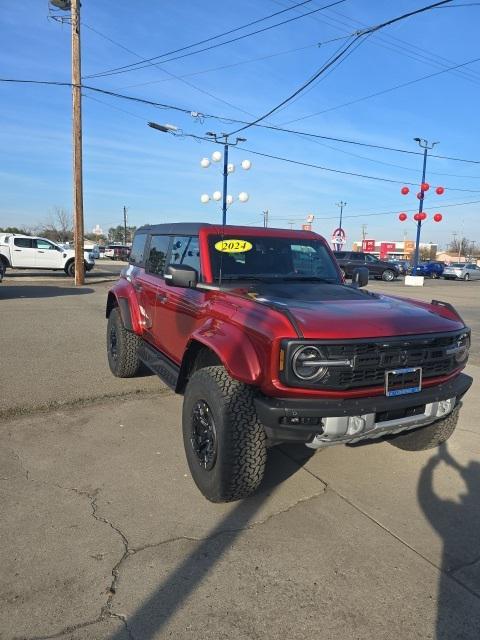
{"x":396,"y":249}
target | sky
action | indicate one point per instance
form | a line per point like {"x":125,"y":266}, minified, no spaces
{"x":158,"y":177}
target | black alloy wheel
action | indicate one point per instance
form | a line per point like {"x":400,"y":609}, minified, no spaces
{"x":204,"y":435}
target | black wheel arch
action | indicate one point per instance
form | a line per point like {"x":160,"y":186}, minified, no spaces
{"x":197,"y":356}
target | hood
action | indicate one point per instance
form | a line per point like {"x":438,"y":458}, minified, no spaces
{"x":333,"y":311}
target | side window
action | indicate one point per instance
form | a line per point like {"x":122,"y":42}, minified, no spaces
{"x":24,"y":243}
{"x":186,"y":250}
{"x":371,"y":259}
{"x":138,"y":249}
{"x":44,"y":245}
{"x":358,"y":257}
{"x":157,"y":254}
{"x":340,"y":255}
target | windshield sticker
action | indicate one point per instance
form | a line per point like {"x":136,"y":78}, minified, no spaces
{"x":233,"y":246}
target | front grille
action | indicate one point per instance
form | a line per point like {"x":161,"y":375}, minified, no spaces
{"x":371,"y":360}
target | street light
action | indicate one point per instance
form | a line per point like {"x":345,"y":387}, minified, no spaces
{"x":165,"y":128}
{"x":228,"y":168}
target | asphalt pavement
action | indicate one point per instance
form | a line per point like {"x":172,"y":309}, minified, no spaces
{"x":104,"y":534}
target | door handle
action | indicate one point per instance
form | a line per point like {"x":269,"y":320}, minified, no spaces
{"x":162,"y":297}
{"x":40,"y":251}
{"x":17,"y":249}
{"x":137,"y":287}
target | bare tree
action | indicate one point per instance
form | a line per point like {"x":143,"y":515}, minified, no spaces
{"x":459,"y":247}
{"x":59,"y":225}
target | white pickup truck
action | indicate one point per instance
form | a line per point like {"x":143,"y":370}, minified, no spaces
{"x":28,"y":252}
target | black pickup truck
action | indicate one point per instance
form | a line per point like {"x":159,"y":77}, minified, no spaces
{"x":350,"y":260}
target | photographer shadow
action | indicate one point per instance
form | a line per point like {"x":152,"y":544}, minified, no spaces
{"x":458,"y":524}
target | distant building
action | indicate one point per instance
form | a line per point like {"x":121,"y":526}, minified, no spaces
{"x":395,"y":249}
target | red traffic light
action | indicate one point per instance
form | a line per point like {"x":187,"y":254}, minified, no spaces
{"x":402,"y":217}
{"x":438,"y":217}
{"x":440,"y":191}
{"x":404,"y":191}
{"x":417,"y":217}
{"x":424,"y":186}
{"x":423,"y":216}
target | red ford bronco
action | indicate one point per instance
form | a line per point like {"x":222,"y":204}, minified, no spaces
{"x":259,"y":332}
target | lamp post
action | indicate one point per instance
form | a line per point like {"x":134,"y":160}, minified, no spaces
{"x":425,"y":146}
{"x":421,"y":215}
{"x":341,"y":204}
{"x":228,"y":168}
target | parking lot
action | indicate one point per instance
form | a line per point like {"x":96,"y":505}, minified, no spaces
{"x":104,"y":534}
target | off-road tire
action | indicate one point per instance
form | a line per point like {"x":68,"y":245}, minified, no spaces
{"x":427,"y":437}
{"x":125,"y":363}
{"x":388,"y":275}
{"x":239,"y":465}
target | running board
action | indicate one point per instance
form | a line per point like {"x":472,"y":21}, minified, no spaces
{"x":162,"y":366}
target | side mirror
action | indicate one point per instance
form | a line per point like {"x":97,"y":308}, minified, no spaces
{"x":181,"y":275}
{"x":360,"y":277}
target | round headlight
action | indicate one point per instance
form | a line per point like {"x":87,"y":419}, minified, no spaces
{"x":463,"y":348}
{"x":305,"y":363}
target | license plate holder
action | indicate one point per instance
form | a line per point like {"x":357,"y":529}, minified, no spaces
{"x":399,"y":382}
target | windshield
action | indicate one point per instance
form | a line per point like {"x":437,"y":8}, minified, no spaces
{"x":457,"y":265}
{"x":271,"y":257}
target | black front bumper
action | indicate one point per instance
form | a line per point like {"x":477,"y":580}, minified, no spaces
{"x":273,"y":413}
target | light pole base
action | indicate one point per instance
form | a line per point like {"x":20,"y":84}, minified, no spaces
{"x":414,"y":281}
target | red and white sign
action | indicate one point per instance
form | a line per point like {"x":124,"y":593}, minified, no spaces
{"x":386,"y":248}
{"x":338,"y":238}
{"x":368,"y":246}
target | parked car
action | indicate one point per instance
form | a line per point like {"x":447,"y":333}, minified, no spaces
{"x":258,"y":331}
{"x":117,"y":252}
{"x":462,"y":271}
{"x":27,"y":252}
{"x":402,"y":265}
{"x":101,"y":251}
{"x":351,"y":260}
{"x":428,"y":269}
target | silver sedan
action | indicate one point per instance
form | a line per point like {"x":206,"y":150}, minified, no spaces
{"x":462,"y":271}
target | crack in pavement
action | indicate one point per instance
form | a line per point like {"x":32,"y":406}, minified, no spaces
{"x":465,"y":565}
{"x":449,"y":574}
{"x":107,"y":609}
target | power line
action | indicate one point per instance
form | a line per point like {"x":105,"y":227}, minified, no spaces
{"x":379,"y":93}
{"x":380,"y":213}
{"x":161,"y":105}
{"x":340,"y":54}
{"x":389,"y":42}
{"x":148,"y":61}
{"x":348,"y":173}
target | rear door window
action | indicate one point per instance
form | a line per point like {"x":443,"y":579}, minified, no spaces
{"x":157,"y":255}
{"x":24,"y":243}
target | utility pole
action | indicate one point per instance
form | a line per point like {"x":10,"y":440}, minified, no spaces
{"x":78,"y":230}
{"x":265,"y":218}
{"x":425,"y":146}
{"x":341,"y":204}
{"x":124,"y":225}
{"x":364,"y":231}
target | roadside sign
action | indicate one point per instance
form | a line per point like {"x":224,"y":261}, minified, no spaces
{"x":339,"y":238}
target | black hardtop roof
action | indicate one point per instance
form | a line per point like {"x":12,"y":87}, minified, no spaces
{"x":192,"y":228}
{"x":180,"y":228}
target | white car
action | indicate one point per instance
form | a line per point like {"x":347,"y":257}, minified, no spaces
{"x":461,"y":271}
{"x":28,"y":252}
